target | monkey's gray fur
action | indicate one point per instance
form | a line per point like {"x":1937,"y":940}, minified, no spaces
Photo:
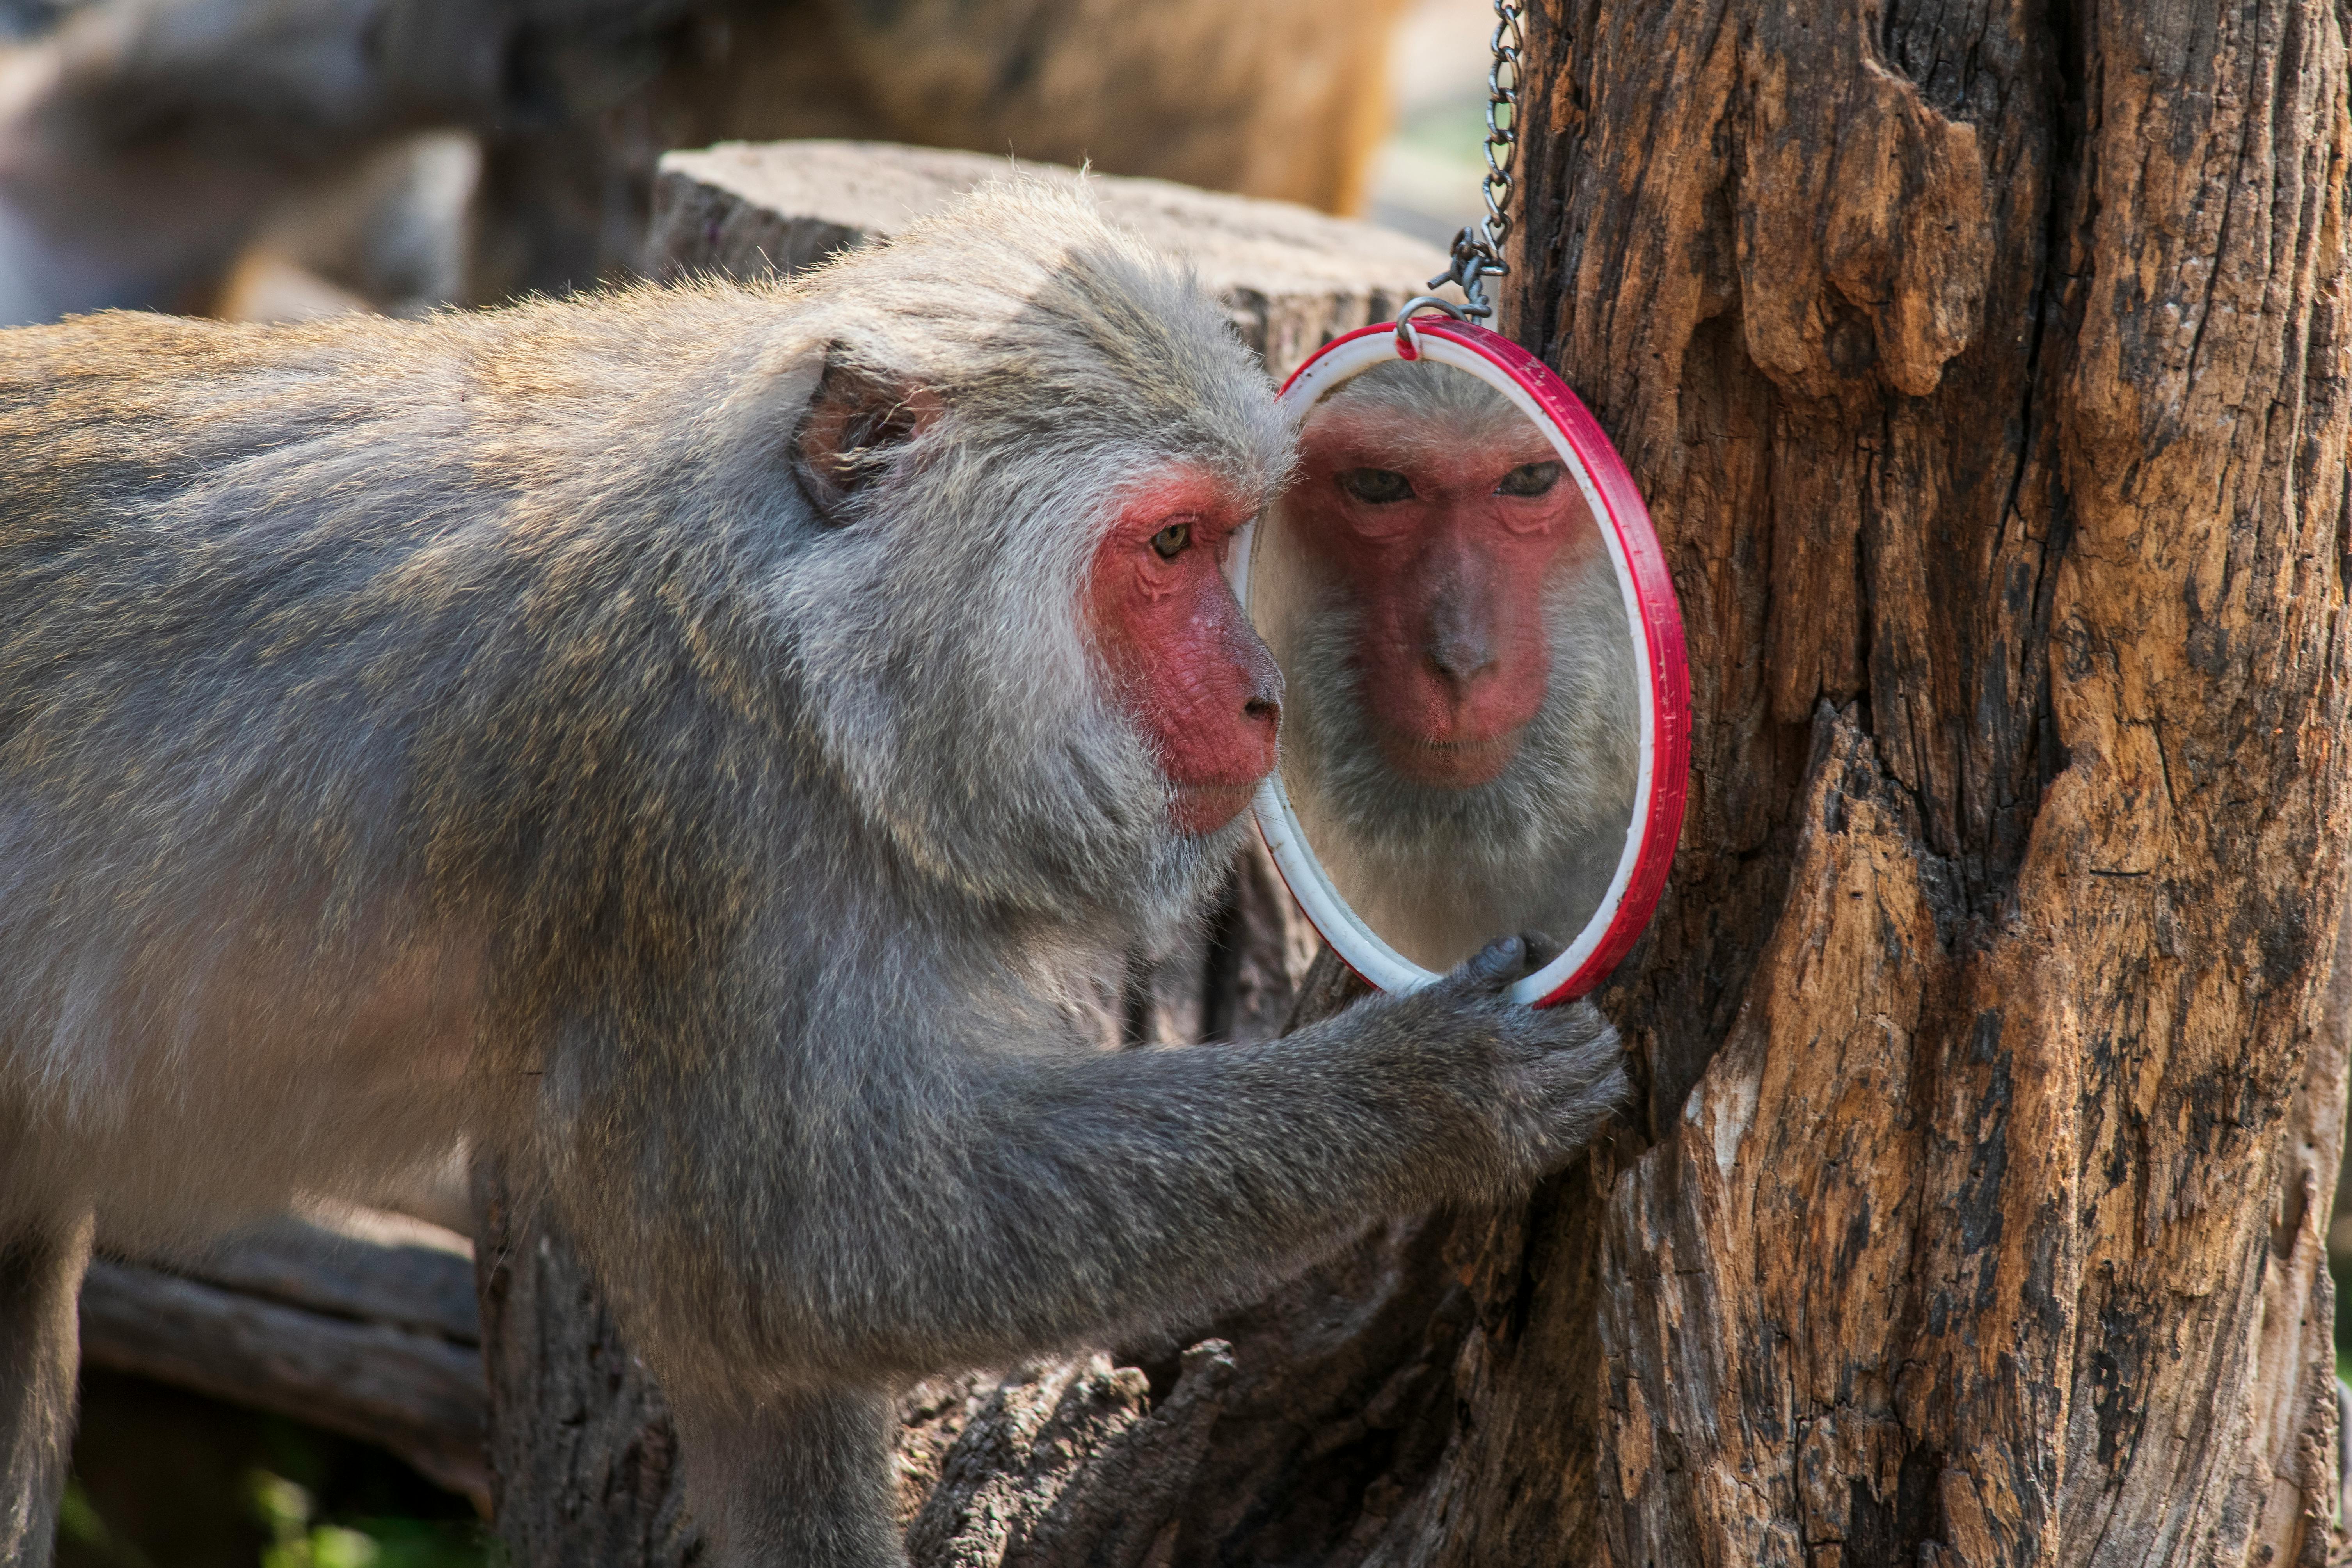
{"x":469,"y":727}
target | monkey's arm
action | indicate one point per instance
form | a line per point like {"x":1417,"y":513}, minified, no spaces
{"x":1036,"y":1201}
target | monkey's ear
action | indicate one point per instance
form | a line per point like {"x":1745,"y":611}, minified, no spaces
{"x":855,"y":427}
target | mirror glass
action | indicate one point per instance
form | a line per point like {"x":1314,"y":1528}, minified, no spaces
{"x":1468,"y":688}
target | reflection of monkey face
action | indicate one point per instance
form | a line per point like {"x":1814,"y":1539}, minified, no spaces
{"x":1442,"y":541}
{"x":1461,"y":741}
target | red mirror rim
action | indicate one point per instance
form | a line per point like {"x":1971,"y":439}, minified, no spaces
{"x":1666,"y":743}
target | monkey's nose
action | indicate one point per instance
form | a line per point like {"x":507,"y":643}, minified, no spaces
{"x":1461,"y":657}
{"x":1261,"y":685}
{"x":1262,"y":708}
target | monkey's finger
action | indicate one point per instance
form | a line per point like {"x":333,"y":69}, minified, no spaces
{"x":1576,"y":1026}
{"x":1496,"y":964}
{"x":1542,"y":949}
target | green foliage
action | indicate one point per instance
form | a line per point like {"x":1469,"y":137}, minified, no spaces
{"x":1453,"y":129}
{"x":83,"y":1537}
{"x":2339,"y":1268}
{"x":298,"y":1538}
{"x":164,"y":1479}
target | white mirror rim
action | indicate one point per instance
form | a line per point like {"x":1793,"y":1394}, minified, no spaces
{"x":1356,"y":942}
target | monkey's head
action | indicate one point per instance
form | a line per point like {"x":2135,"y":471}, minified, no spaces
{"x":1180,"y":654}
{"x":1026,"y":446}
{"x":1437,"y":514}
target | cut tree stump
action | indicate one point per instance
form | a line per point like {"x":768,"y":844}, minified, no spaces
{"x":1292,"y":279}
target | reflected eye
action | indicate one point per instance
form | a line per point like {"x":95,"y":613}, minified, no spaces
{"x":1376,"y":486}
{"x":1171,"y":540}
{"x":1529,"y":479}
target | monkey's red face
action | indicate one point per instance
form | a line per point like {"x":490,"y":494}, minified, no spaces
{"x":1181,"y":656}
{"x":1446,"y":548}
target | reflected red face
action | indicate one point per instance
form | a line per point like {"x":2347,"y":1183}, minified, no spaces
{"x":1446,"y":548}
{"x":1181,"y":656}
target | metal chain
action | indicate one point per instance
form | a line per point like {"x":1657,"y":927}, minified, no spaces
{"x":1478,"y":252}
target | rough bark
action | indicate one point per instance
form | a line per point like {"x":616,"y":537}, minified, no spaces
{"x":1072,"y":1463}
{"x":1985,"y":371}
{"x":582,"y":1457}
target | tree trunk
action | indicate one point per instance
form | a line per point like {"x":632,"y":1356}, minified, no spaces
{"x":1984,"y":368}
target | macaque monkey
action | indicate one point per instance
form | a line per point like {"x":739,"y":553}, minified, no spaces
{"x":1462,"y":743}
{"x":679,"y":739}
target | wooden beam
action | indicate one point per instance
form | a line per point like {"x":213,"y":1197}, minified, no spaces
{"x":362,"y":1323}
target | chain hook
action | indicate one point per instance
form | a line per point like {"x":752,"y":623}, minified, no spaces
{"x":1409,"y":341}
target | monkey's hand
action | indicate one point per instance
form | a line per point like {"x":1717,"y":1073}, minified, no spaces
{"x":1542,"y":1081}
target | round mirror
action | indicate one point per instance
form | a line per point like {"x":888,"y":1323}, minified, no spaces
{"x":1486,"y":729}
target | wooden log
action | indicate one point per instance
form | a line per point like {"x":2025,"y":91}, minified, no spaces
{"x":1292,"y":278}
{"x":583,"y":1456}
{"x":368,"y":1264}
{"x":362,"y":1323}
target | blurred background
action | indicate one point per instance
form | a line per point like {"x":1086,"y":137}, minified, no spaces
{"x":279,"y":160}
{"x":1429,"y":168}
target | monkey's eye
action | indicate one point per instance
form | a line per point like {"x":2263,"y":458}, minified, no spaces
{"x":1171,"y":540}
{"x":1529,"y":479}
{"x":1376,"y":487}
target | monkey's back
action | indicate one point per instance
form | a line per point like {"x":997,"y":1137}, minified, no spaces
{"x":309,"y":639}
